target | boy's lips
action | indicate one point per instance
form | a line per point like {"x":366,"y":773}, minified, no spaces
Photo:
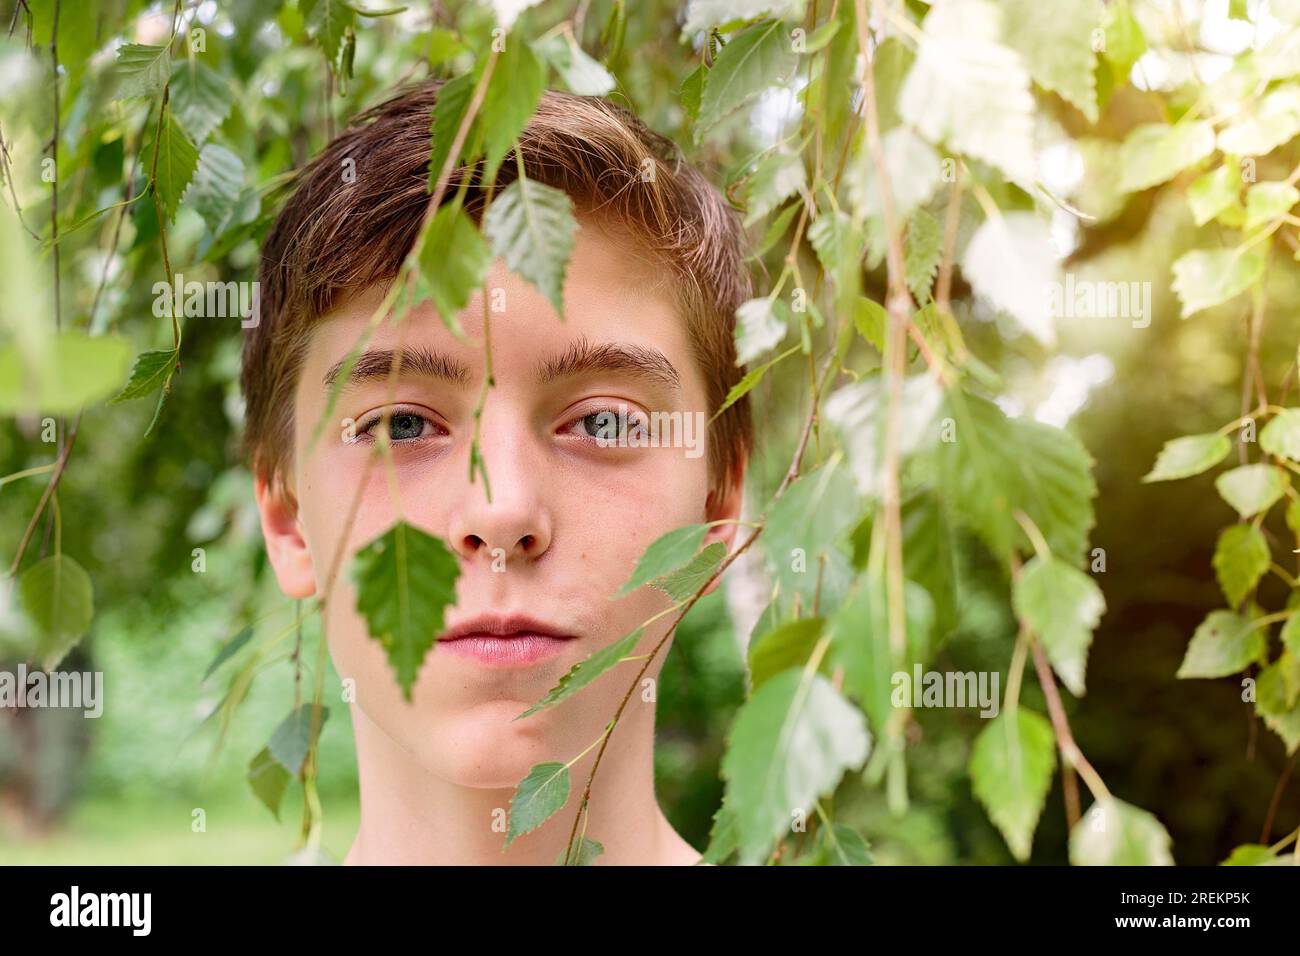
{"x":514,"y":640}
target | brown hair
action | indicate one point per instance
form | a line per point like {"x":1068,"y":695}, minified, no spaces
{"x":334,"y":238}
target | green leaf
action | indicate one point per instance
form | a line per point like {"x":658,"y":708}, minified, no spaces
{"x":922,"y":252}
{"x":756,"y":58}
{"x":1281,"y":436}
{"x":531,"y":227}
{"x":444,"y":46}
{"x":688,"y":579}
{"x":539,"y":797}
{"x":513,"y":92}
{"x":791,"y":743}
{"x":454,"y":258}
{"x":692,"y":91}
{"x":1156,"y":152}
{"x":860,"y":643}
{"x":268,"y":779}
{"x":778,"y":176}
{"x":788,"y":645}
{"x":405,"y":578}
{"x":59,"y":599}
{"x":78,"y":370}
{"x":1055,"y":41}
{"x":839,"y":845}
{"x":142,"y":69}
{"x":291,"y":740}
{"x":329,"y":22}
{"x":1009,"y":262}
{"x":666,"y":554}
{"x":1241,"y":558}
{"x":747,"y":384}
{"x":1291,"y":634}
{"x":152,"y":370}
{"x":723,"y":835}
{"x":838,"y":244}
{"x":998,"y":465}
{"x":582,"y":75}
{"x":1189,"y":455}
{"x":448,"y":111}
{"x":1063,"y":605}
{"x":1125,"y":42}
{"x":969,"y":91}
{"x":760,"y":327}
{"x":806,"y":534}
{"x":1266,"y":202}
{"x":1224,"y":644}
{"x":871,"y":320}
{"x":228,"y":650}
{"x":1011,"y":769}
{"x":200,"y":97}
{"x":177,"y":161}
{"x":586,"y":854}
{"x":706,"y":14}
{"x":1115,"y":833}
{"x":216,"y":187}
{"x":1251,"y":489}
{"x":1250,"y":854}
{"x":586,"y":671}
{"x":1280,"y":715}
{"x":914,"y":170}
{"x":1212,"y":193}
{"x":1274,"y":120}
{"x":1207,"y":277}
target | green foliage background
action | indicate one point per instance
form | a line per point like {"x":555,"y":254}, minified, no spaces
{"x":132,"y":505}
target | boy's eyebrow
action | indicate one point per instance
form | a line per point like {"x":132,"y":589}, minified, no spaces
{"x":584,"y":356}
{"x":378,"y":363}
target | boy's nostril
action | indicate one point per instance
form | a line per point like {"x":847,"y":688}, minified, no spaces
{"x":473,"y":542}
{"x":526,"y":542}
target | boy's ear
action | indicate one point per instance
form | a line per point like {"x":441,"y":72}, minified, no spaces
{"x":285,"y":544}
{"x":724,"y":505}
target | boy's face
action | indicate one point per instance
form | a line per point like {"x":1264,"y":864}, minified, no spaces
{"x":567,"y":519}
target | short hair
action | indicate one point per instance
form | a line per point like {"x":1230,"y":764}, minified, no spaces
{"x":334,"y":238}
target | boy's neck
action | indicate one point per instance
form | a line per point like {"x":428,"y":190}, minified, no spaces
{"x":411,"y":817}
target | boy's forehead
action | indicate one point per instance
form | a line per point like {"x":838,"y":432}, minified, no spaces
{"x":616,"y":301}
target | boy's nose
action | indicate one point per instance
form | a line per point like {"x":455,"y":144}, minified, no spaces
{"x":516,"y":520}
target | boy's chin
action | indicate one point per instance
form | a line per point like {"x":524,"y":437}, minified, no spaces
{"x":484,"y":747}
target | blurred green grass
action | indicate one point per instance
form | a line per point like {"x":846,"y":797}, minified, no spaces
{"x":101,"y":831}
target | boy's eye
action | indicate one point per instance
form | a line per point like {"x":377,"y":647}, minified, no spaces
{"x":600,"y":424}
{"x":402,"y":426}
{"x":604,"y":425}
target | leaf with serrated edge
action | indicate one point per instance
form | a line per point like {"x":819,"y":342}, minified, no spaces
{"x":791,"y":742}
{"x":1251,"y":489}
{"x":1225,"y":643}
{"x":1063,"y":605}
{"x":586,"y":671}
{"x":539,"y":796}
{"x":58,"y":596}
{"x":405,"y":578}
{"x":1189,"y":455}
{"x":150,"y":372}
{"x":666,"y":554}
{"x":1011,"y":769}
{"x":1241,"y":558}
{"x":531,"y":227}
{"x":1115,"y":833}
